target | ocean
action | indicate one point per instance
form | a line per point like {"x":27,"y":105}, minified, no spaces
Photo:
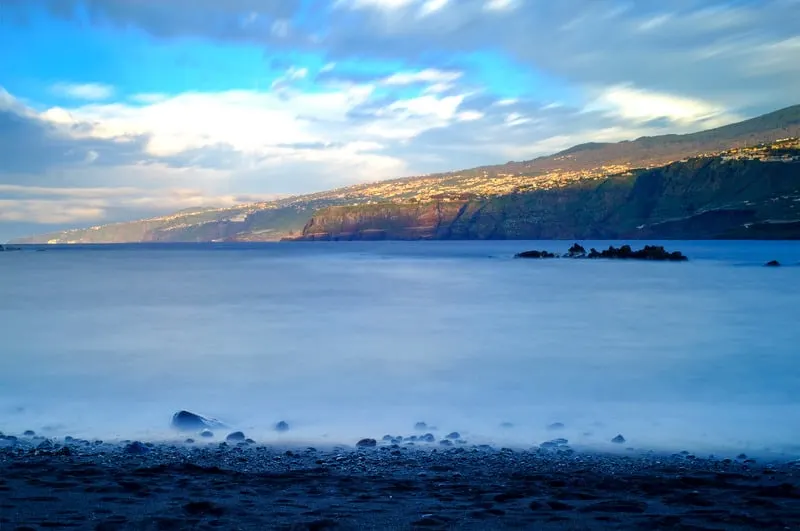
{"x":352,"y":340}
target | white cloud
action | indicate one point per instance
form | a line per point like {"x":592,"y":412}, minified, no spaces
{"x":500,"y":5}
{"x":429,"y":75}
{"x":506,"y":102}
{"x":639,"y":105}
{"x":84,"y":91}
{"x":374,"y":4}
{"x":432,"y":6}
{"x":469,"y":116}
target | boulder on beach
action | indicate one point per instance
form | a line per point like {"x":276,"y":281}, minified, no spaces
{"x":619,"y":439}
{"x":188,"y":421}
{"x":236,"y":436}
{"x":207,"y":434}
{"x":367,"y":443}
{"x":420,"y":426}
{"x":535,"y":254}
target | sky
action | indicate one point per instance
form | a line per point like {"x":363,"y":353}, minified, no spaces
{"x":122,"y":109}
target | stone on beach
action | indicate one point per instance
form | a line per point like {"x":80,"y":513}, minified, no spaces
{"x":136,"y":448}
{"x":282,"y":426}
{"x":619,"y":439}
{"x":367,"y":443}
{"x":188,"y":421}
{"x":236,"y":436}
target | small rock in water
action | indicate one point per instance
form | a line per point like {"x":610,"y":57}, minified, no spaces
{"x":428,"y":437}
{"x":454,"y":435}
{"x":367,"y":443}
{"x":207,"y":434}
{"x":420,"y":426}
{"x":773,"y":263}
{"x":387,"y":437}
{"x":29,"y":433}
{"x":619,"y":439}
{"x":506,"y":425}
{"x":136,"y":448}
{"x":249,"y":441}
{"x":189,"y":441}
{"x":556,"y":426}
{"x":282,"y":426}
{"x":236,"y":436}
{"x":446,"y":442}
{"x":187,"y":421}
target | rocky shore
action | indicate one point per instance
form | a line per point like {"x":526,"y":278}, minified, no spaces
{"x":237,"y":484}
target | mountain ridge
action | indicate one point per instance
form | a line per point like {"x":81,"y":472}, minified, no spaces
{"x":574,"y":167}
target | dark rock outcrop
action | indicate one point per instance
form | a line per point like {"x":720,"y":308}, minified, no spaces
{"x":187,"y":421}
{"x":576,"y":251}
{"x":535,"y":254}
{"x":649,"y":252}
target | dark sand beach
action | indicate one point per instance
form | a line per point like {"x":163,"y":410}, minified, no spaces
{"x":102,"y":486}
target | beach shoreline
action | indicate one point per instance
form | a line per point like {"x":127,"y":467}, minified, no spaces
{"x":103,"y":486}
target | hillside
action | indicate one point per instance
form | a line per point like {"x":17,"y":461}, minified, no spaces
{"x":702,"y":198}
{"x":580,"y":176}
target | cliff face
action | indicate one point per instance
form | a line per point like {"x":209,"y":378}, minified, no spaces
{"x":383,"y":221}
{"x":697,"y":199}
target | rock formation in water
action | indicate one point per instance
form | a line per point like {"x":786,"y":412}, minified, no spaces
{"x":625,"y":252}
{"x":649,"y":252}
{"x":535,"y":254}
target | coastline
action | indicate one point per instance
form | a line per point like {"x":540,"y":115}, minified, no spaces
{"x":103,"y":486}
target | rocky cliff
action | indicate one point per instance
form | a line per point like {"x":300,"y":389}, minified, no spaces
{"x":702,"y":198}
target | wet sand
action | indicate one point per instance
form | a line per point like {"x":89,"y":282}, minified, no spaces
{"x":99,"y":486}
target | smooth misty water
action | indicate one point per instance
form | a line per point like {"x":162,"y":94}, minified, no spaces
{"x":360,"y":339}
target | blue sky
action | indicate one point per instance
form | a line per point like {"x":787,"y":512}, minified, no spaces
{"x":119,"y":109}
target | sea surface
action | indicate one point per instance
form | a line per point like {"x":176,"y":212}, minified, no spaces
{"x":350,"y":340}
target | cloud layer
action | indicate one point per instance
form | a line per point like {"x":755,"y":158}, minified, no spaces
{"x":360,"y":90}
